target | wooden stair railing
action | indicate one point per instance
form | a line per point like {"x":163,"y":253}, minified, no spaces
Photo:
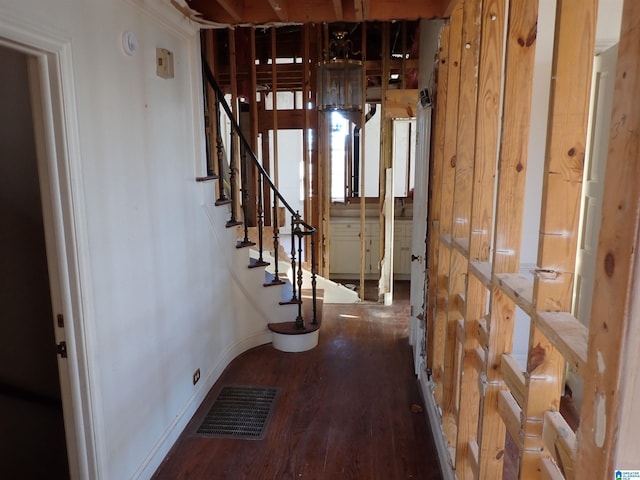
{"x":299,"y":228}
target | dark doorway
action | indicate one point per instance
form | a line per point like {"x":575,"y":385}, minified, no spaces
{"x":32,"y":443}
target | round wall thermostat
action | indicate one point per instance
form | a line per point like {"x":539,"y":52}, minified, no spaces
{"x":129,"y":43}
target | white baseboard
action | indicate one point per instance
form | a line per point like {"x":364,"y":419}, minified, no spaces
{"x":175,"y":429}
{"x":448,"y":472}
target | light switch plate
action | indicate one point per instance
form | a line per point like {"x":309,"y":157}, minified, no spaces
{"x":164,"y":63}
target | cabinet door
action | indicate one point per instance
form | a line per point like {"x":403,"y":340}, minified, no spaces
{"x":345,"y":254}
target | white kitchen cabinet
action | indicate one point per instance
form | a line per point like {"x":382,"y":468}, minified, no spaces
{"x":345,"y":249}
{"x":402,"y":249}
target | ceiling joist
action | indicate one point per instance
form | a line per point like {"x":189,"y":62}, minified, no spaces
{"x":337,"y":9}
{"x":280,"y":9}
{"x":265,"y":12}
{"x":231,"y":8}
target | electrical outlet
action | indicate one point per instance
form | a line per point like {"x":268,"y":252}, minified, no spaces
{"x":196,"y":376}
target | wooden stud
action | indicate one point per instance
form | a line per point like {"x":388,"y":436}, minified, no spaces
{"x":234,"y":110}
{"x":324,"y":159}
{"x":512,"y":161}
{"x":466,"y":124}
{"x":607,"y":437}
{"x":306,"y":159}
{"x":513,"y":377}
{"x":230,"y":7}
{"x":510,"y":413}
{"x":477,"y":200}
{"x":252,"y":171}
{"x":274,"y":111}
{"x":463,"y":176}
{"x":386,"y":166}
{"x":446,"y":196}
{"x":560,"y":440}
{"x":437,"y":155}
{"x":567,"y":132}
{"x":363,"y":198}
{"x":337,"y":9}
{"x":280,"y":9}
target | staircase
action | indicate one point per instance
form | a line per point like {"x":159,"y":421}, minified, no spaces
{"x":242,"y":183}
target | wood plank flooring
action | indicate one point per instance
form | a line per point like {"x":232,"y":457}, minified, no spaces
{"x":344,"y":409}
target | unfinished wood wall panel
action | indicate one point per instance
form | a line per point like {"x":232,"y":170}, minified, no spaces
{"x":466,"y":124}
{"x":606,"y":438}
{"x":519,"y":59}
{"x":564,"y":158}
{"x":562,"y":185}
{"x":435,"y":186}
{"x":447,"y":182}
{"x":487,"y":126}
{"x":525,"y":401}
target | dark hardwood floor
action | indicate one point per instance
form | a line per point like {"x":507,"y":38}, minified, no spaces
{"x":348,"y":409}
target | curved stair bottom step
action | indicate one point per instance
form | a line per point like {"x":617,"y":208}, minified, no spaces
{"x":286,"y":338}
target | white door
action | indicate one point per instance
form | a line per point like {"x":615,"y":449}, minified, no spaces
{"x":419,"y":235}
{"x":593,"y":183}
{"x":604,"y":69}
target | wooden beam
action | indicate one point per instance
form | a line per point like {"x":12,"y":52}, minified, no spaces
{"x":233,"y":160}
{"x":446,"y":182}
{"x":560,"y":440}
{"x":512,"y":163}
{"x":475,"y":167}
{"x":337,"y":9}
{"x":385,"y":168}
{"x":510,"y":413}
{"x":571,"y":73}
{"x":280,"y":9}
{"x":274,"y":104}
{"x":400,"y":103}
{"x":607,"y":437}
{"x":513,"y":377}
{"x":358,"y":8}
{"x":231,"y":7}
{"x":435,"y":186}
{"x":363,"y":170}
{"x":306,"y":85}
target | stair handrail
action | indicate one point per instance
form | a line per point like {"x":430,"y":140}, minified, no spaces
{"x":234,"y":125}
{"x":296,"y":221}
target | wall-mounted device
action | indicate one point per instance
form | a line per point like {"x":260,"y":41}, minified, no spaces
{"x":164,"y":63}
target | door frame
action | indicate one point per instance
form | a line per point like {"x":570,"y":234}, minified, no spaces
{"x":51,"y":86}
{"x":417,"y":329}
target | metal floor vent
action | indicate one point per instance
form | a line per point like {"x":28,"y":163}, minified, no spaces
{"x":239,"y":412}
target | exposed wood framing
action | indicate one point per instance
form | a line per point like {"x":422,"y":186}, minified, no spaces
{"x":324,"y":159}
{"x":316,"y":211}
{"x":363,"y":198}
{"x":437,"y":153}
{"x":461,"y":213}
{"x":229,"y":6}
{"x":607,"y":437}
{"x":280,"y":9}
{"x":234,"y":110}
{"x":480,"y":200}
{"x":274,"y":105}
{"x":519,"y":60}
{"x":512,"y":400}
{"x":400,"y":103}
{"x":337,"y":9}
{"x":306,"y":158}
{"x":446,"y":199}
{"x":566,"y":139}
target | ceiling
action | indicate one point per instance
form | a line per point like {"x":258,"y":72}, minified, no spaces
{"x":264,"y":12}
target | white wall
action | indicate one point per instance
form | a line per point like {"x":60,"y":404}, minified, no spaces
{"x":156,"y":301}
